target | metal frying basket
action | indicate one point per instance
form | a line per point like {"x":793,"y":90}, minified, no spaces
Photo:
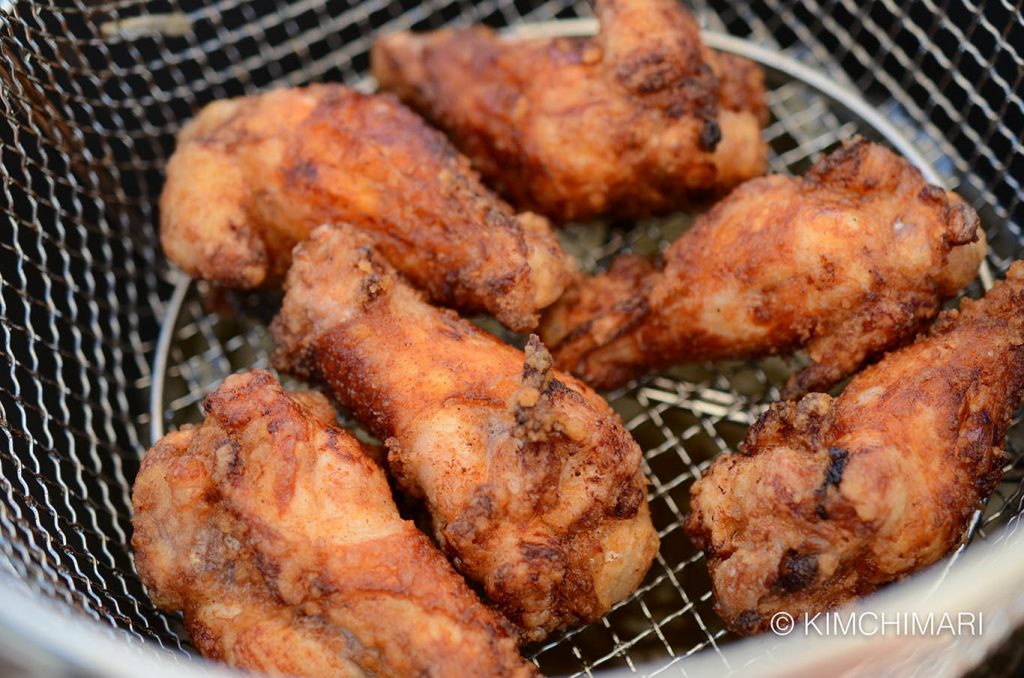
{"x":93,"y":94}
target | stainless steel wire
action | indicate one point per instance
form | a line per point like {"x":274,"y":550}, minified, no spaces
{"x":92,"y":96}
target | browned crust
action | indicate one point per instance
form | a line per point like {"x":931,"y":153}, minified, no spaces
{"x":251,"y":177}
{"x":830,"y":499}
{"x":846,"y":262}
{"x":279,"y":540}
{"x":533,"y":485}
{"x":639,"y":120}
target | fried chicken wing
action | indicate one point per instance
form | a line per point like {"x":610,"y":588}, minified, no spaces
{"x":279,"y":540}
{"x":641,"y":119}
{"x":252,"y":176}
{"x":533,"y":485}
{"x":829,"y":499}
{"x":846,"y":262}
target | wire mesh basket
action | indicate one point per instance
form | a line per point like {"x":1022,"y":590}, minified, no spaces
{"x":93,"y":94}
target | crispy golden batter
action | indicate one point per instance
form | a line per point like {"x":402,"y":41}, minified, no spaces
{"x":533,"y":485}
{"x":279,"y":540}
{"x":252,"y":176}
{"x":831,"y":498}
{"x":641,"y":119}
{"x":847,"y":262}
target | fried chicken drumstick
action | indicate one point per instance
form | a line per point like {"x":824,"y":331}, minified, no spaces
{"x":533,"y":485}
{"x":846,"y":262}
{"x":640,"y":119}
{"x":829,"y":499}
{"x":279,"y":539}
{"x":252,"y":176}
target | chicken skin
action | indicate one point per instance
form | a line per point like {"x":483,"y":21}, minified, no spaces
{"x":846,"y":262}
{"x":533,"y":485}
{"x":278,"y":538}
{"x":829,"y":499}
{"x":253,"y":176}
{"x":639,"y":120}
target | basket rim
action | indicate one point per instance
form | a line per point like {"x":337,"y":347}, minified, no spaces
{"x":983,"y":575}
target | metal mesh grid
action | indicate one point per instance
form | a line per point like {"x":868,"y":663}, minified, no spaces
{"x":682,"y":418}
{"x":91,"y":101}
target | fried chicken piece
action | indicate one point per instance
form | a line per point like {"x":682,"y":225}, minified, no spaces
{"x":252,"y":176}
{"x":847,"y":262}
{"x":279,"y":540}
{"x":533,"y":485}
{"x":829,"y":499}
{"x":639,"y":120}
